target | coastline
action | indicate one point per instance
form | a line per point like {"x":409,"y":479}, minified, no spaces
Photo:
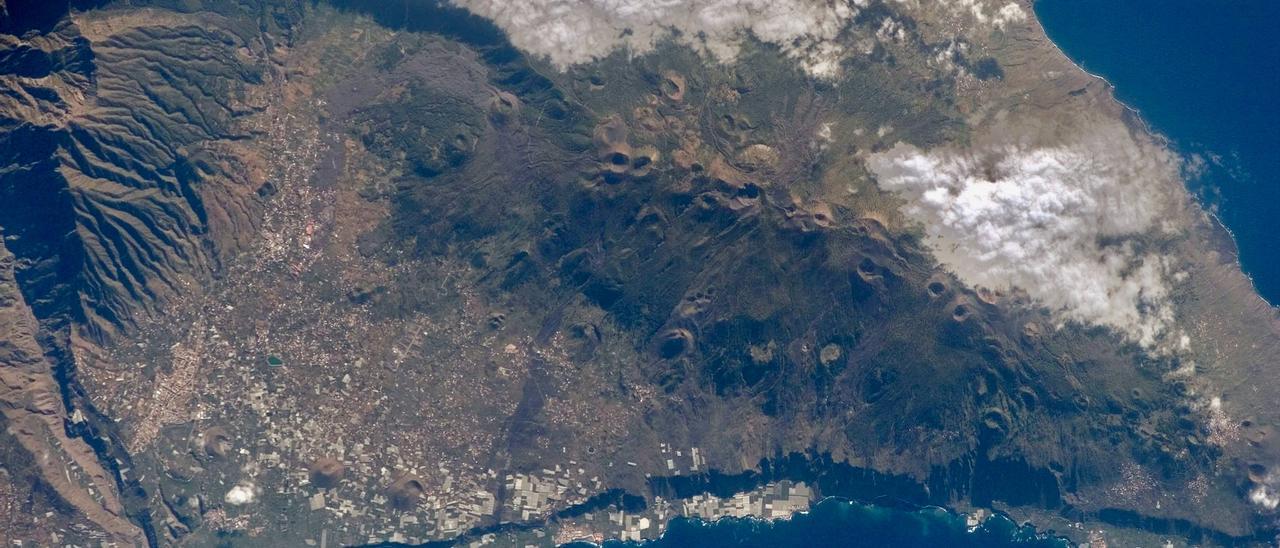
{"x":610,"y":519}
{"x":1167,"y":142}
{"x":1140,"y":122}
{"x":974,"y":522}
{"x":915,"y":493}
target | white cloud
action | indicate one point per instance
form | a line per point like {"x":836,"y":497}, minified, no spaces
{"x":1010,"y":13}
{"x":242,"y":493}
{"x":999,"y":18}
{"x":1061,"y":223}
{"x":571,"y":32}
{"x":579,"y":31}
{"x":1265,"y":497}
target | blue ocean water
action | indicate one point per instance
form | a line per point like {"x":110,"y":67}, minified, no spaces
{"x":1206,"y":74}
{"x":839,"y":523}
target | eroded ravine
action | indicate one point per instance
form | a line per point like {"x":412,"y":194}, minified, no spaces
{"x":469,"y":286}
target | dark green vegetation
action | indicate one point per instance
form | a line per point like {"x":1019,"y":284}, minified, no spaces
{"x":148,"y":174}
{"x":111,"y":208}
{"x":671,"y":249}
{"x":731,"y":290}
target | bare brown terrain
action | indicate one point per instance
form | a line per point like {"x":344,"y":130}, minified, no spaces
{"x":342,"y":273}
